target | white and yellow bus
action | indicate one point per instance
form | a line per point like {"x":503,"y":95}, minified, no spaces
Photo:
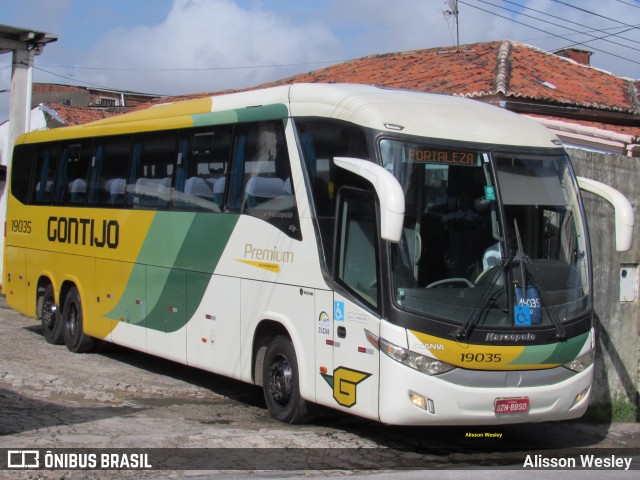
{"x":410,"y":258}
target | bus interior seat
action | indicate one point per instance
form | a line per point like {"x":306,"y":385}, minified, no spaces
{"x":262,"y":189}
{"x":44,"y":194}
{"x":152,"y":192}
{"x":115,"y":188}
{"x":286,"y":188}
{"x":218,"y":190}
{"x":78,"y":190}
{"x":197,"y":186}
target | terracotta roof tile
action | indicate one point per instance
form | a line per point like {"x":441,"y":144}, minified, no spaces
{"x":512,"y":69}
{"x":78,"y":115}
{"x":504,"y":69}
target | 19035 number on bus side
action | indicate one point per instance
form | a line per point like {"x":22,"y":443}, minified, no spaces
{"x":21,"y":226}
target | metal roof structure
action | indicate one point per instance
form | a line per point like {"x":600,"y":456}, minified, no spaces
{"x":23,"y":44}
{"x":14,"y":38}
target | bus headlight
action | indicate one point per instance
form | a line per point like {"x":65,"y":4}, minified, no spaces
{"x":423,"y":364}
{"x":581,"y":363}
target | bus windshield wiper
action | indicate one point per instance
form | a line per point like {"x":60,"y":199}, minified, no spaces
{"x":465,"y":329}
{"x":521,"y":257}
{"x":528,"y":268}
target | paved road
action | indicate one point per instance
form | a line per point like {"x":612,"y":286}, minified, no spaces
{"x":53,"y":399}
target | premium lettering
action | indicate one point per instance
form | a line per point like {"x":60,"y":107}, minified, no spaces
{"x":267,"y":254}
{"x":84,"y":231}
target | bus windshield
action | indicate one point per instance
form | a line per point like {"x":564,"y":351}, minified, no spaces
{"x":492,"y":239}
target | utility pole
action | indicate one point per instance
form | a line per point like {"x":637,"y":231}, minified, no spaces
{"x":453,"y":11}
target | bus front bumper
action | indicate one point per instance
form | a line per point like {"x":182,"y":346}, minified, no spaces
{"x":409,"y":397}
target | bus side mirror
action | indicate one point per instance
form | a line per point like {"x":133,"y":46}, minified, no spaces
{"x":624,"y":218}
{"x":388,"y":190}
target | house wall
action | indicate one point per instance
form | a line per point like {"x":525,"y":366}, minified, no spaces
{"x":617,"y":322}
{"x":85,"y":97}
{"x":70,"y":97}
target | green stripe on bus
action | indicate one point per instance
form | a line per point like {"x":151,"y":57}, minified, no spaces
{"x":165,"y":238}
{"x":205,"y":242}
{"x":534,"y":354}
{"x":567,"y":351}
{"x":249,"y":114}
{"x":186,"y":249}
{"x":557,"y":353}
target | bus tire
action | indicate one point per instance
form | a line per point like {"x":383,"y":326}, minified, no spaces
{"x":72,"y":321}
{"x":281,"y":384}
{"x":50,"y":317}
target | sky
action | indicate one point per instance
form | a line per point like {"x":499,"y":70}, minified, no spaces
{"x":171,"y":47}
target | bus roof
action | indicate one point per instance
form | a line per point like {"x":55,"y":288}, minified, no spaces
{"x":417,"y":113}
{"x":413,"y":113}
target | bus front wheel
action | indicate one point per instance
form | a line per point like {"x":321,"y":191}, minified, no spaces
{"x":281,"y":382}
{"x":50,"y":317}
{"x":72,"y":321}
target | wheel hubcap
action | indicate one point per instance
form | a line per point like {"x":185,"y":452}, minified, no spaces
{"x":280,"y":380}
{"x":73,"y":321}
{"x":48,"y":313}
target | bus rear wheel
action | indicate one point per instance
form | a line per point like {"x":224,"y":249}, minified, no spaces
{"x":281,"y":384}
{"x":72,"y":321}
{"x":50,"y":317}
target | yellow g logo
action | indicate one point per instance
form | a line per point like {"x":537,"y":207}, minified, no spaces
{"x":344,"y":382}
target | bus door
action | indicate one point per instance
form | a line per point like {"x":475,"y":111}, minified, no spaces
{"x":355,"y":360}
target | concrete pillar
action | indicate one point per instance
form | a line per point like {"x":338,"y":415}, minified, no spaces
{"x":20,"y":102}
{"x":19,"y":118}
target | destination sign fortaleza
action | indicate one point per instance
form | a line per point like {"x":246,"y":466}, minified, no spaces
{"x":423,"y":154}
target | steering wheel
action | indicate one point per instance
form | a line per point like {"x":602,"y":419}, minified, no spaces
{"x":452,"y":281}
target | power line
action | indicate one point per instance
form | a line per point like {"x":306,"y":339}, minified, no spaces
{"x":558,"y":25}
{"x":627,"y":3}
{"x":75,"y":80}
{"x":592,"y":13}
{"x":571,"y":34}
{"x":579,"y":33}
{"x":600,"y":38}
{"x":547,"y":32}
{"x":570,"y":21}
{"x":190,"y":69}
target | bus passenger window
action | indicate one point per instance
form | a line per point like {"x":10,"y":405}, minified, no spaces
{"x":71,"y":178}
{"x":260,"y":177}
{"x":320,"y":141}
{"x":203,"y":156}
{"x":45,"y":173}
{"x":108,"y":171}
{"x":150,"y":177}
{"x":21,"y":172}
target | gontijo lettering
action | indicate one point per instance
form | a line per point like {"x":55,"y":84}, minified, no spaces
{"x":84,"y":231}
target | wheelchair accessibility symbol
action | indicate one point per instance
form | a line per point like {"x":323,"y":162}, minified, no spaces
{"x":522,"y":315}
{"x":338,"y":311}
